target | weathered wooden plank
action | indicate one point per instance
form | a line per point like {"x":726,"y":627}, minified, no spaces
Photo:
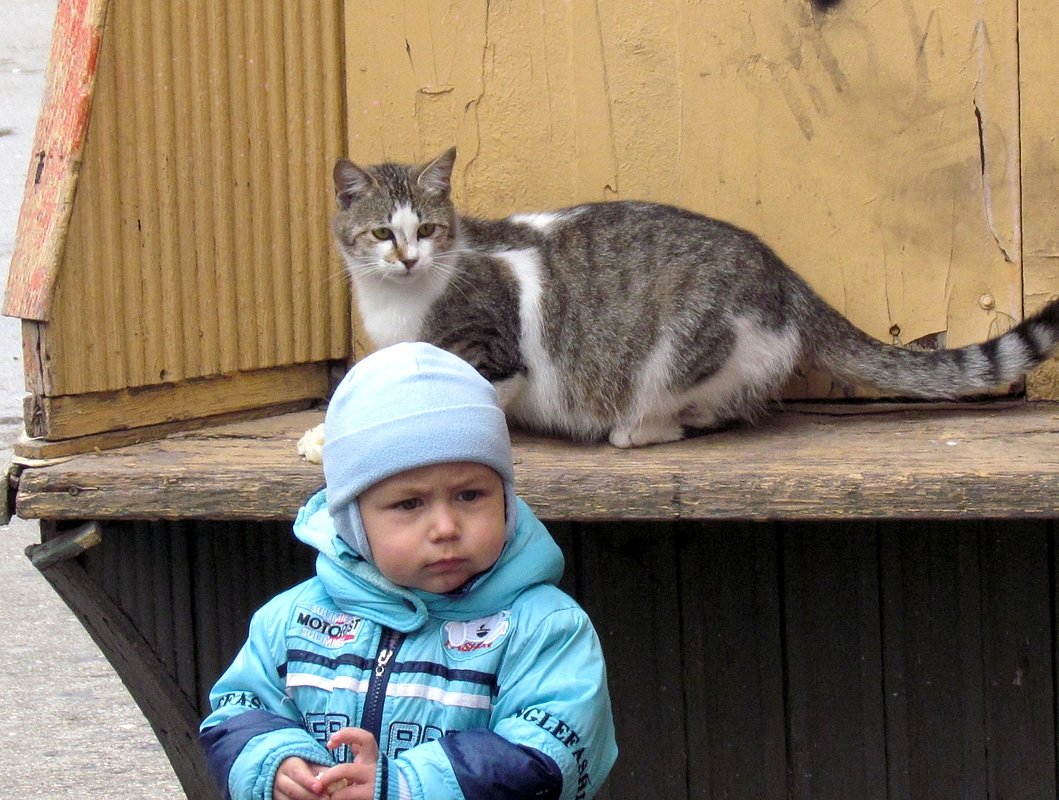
{"x":947,"y":463}
{"x":55,"y":162}
{"x":173,"y":718}
{"x":70,"y":416}
{"x":833,"y":658}
{"x":67,"y":545}
{"x":732,"y":661}
{"x":625,"y":577}
{"x":32,"y":450}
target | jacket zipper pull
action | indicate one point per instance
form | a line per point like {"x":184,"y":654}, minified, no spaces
{"x":384,"y":659}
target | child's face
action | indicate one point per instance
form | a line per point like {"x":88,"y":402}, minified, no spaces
{"x":435,"y":527}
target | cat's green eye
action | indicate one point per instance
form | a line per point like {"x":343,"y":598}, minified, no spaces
{"x":426,"y":230}
{"x":382,"y":234}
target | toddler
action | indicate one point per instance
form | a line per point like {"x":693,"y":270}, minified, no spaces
{"x":432,"y":656}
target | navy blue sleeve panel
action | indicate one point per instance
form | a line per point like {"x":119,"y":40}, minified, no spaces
{"x":489,"y":767}
{"x":224,"y":742}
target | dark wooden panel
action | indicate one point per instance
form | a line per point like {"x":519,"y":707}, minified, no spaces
{"x":968,"y":632}
{"x":932,"y":639}
{"x":733,"y":668}
{"x":168,"y":710}
{"x":237,"y":567}
{"x":566,"y":536}
{"x":183,"y":579}
{"x":746,"y":660}
{"x":626,"y":578}
{"x":190,"y":588}
{"x":1017,"y":628}
{"x":836,"y":743}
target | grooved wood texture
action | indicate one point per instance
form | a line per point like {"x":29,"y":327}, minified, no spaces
{"x":199,"y":240}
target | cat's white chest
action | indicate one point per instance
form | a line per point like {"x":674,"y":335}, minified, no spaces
{"x":395,"y":312}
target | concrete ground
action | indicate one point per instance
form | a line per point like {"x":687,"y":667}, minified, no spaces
{"x":73,"y":732}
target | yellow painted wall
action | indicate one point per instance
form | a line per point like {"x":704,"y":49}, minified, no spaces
{"x":1039,"y":99}
{"x":876,"y":146}
{"x":849,"y":139}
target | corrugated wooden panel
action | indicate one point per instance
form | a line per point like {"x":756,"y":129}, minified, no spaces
{"x":626,"y":577}
{"x":874,"y":144}
{"x":200,"y":242}
{"x":968,"y":631}
{"x":731,"y":631}
{"x":895,"y":660}
{"x":190,"y":588}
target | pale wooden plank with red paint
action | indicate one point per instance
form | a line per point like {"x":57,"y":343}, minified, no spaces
{"x":57,"y":147}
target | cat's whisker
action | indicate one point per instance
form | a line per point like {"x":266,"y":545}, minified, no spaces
{"x":463,"y":251}
{"x":457,"y":281}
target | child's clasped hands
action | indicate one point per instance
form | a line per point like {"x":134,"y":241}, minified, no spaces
{"x":297,"y":779}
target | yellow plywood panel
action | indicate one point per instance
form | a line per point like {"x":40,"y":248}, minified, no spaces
{"x":199,"y":241}
{"x":875,"y":145}
{"x":1039,"y":30}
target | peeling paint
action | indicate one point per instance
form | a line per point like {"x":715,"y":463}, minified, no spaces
{"x":844,"y":139}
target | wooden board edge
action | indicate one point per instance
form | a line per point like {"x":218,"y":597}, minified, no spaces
{"x":36,"y":452}
{"x":74,"y":416}
{"x":799,"y":467}
{"x":170,"y":713}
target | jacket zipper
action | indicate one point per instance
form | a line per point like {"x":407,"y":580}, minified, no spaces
{"x":380,"y":677}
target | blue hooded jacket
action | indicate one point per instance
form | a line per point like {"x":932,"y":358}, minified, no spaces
{"x":498,"y":691}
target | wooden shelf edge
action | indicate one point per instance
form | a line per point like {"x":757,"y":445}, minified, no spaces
{"x":37,"y":452}
{"x":985,"y":460}
{"x":81,"y":415}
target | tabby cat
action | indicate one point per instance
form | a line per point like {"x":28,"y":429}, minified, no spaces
{"x":630,"y":321}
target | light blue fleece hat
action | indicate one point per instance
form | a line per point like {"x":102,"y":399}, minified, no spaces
{"x":408,"y":406}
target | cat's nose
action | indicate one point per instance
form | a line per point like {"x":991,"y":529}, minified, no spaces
{"x":409,"y":263}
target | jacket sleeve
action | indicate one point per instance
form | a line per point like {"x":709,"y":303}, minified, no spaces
{"x":254,"y":726}
{"x":552,"y":733}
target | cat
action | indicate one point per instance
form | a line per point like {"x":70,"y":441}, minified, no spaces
{"x":630,"y":321}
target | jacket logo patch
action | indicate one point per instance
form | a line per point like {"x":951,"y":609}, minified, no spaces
{"x":477,"y":634}
{"x":325,"y":627}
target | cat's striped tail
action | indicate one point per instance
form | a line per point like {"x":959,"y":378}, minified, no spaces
{"x":855,"y":358}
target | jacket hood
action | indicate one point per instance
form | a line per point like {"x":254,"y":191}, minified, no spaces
{"x":529,"y":558}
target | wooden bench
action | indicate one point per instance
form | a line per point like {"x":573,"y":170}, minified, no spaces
{"x":813,"y":462}
{"x":844,"y":598}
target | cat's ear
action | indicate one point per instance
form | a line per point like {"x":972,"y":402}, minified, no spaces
{"x":350,"y":180}
{"x":436,"y":177}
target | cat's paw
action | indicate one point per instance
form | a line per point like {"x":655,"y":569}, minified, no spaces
{"x":646,"y":434}
{"x":311,"y":445}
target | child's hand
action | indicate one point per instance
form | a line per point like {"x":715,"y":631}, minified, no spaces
{"x":354,"y":781}
{"x":294,"y":780}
